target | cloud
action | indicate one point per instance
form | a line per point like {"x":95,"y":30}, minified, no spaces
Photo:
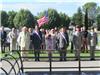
{"x":68,"y":1}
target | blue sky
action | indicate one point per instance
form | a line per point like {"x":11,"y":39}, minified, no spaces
{"x":66,"y":6}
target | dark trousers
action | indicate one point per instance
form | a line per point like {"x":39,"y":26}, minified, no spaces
{"x":50,"y":55}
{"x":3,"y":46}
{"x":63,"y":54}
{"x":71,"y":46}
{"x":37,"y":54}
{"x":85,"y":45}
{"x":92,"y":52}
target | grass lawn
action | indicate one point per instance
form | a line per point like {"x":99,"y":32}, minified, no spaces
{"x":54,"y":54}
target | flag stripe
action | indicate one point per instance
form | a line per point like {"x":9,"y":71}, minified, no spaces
{"x":43,"y":20}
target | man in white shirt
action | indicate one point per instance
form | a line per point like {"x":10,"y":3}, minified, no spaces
{"x":24,"y":41}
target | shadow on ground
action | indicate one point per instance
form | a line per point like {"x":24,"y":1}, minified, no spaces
{"x":64,"y":73}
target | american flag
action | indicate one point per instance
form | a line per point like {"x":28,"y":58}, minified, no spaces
{"x":43,"y":20}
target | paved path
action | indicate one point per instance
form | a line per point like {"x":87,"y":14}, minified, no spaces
{"x":56,"y":64}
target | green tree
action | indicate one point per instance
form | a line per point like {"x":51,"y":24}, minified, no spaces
{"x":98,"y":21}
{"x":86,"y":19}
{"x":54,"y":19}
{"x":41,"y":14}
{"x":64,"y":20}
{"x":89,"y":6}
{"x":78,"y":17}
{"x":98,"y":10}
{"x":11,"y":15}
{"x":92,"y":11}
{"x":4,"y":18}
{"x":24,"y":18}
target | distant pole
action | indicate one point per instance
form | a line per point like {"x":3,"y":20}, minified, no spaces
{"x":79,"y":63}
{"x":86,"y":19}
{"x":50,"y":62}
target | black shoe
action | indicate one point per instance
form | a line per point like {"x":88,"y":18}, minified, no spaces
{"x":64,"y":59}
{"x":71,"y":51}
{"x":3,"y":51}
{"x":38,"y":60}
{"x":35,"y":60}
{"x":87,"y":52}
{"x":92,"y":59}
{"x":76,"y":59}
{"x":61,"y":60}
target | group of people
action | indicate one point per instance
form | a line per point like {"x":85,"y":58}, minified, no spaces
{"x":53,"y":39}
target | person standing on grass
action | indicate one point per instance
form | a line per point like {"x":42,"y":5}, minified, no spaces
{"x":13,"y":39}
{"x":24,"y":41}
{"x":56,"y":33}
{"x":54,"y":39}
{"x":48,"y":42}
{"x":84,"y":40}
{"x":77,"y":41}
{"x":63,"y":42}
{"x":43,"y":39}
{"x":37,"y":42}
{"x":30,"y":32}
{"x":71,"y":31}
{"x":3,"y":36}
{"x":93,"y":43}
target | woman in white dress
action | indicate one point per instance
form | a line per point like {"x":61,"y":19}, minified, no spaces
{"x":48,"y":43}
{"x":54,"y":39}
{"x":13,"y":39}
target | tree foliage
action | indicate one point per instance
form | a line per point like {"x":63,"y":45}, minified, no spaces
{"x":24,"y":18}
{"x":88,"y":16}
{"x":4,"y":18}
{"x":54,"y":19}
{"x":86,"y":19}
{"x":98,"y":21}
{"x":89,"y":6}
{"x":92,"y":9}
{"x":11,"y":15}
{"x":64,"y":20}
{"x":98,"y":10}
{"x":78,"y":17}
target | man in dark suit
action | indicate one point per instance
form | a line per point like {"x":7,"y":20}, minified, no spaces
{"x":63,"y":42}
{"x":3,"y":36}
{"x":37,"y":41}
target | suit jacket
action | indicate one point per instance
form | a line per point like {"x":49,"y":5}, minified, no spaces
{"x":37,"y":39}
{"x":3,"y":35}
{"x":24,"y":39}
{"x":63,"y":42}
